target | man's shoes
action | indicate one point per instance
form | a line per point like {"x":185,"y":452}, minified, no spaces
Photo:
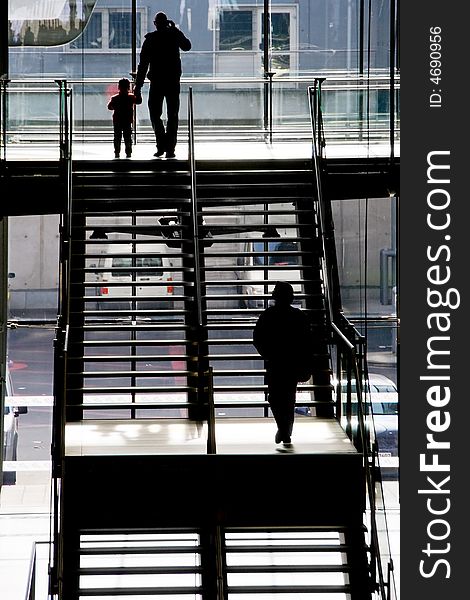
{"x":277,"y":437}
{"x":170,"y":154}
{"x":286,"y":448}
{"x":116,"y":155}
{"x":159,"y":153}
{"x":128,"y":155}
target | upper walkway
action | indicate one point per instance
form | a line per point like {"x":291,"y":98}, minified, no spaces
{"x":233,"y":436}
{"x":221,"y":149}
{"x":31,"y":171}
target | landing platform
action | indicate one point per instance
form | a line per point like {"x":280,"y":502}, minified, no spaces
{"x":247,"y":436}
{"x":158,"y":473}
{"x":355,"y":170}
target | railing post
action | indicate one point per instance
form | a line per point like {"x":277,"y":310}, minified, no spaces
{"x":31,"y":583}
{"x":270,"y":75}
{"x":3,"y":119}
{"x":65,"y":116}
{"x":211,"y":443}
{"x":266,"y":61}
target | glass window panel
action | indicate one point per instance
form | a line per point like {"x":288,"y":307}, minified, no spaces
{"x":92,"y":36}
{"x":120,"y":29}
{"x":355,"y":221}
{"x":46,"y":23}
{"x":280,"y":31}
{"x":236,"y":30}
{"x":280,"y":40}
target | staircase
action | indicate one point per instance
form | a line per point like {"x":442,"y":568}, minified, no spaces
{"x":145,"y":329}
{"x":135,"y":340}
{"x":302,"y":562}
{"x":143,"y":564}
{"x":310,"y":561}
{"x":262,"y":229}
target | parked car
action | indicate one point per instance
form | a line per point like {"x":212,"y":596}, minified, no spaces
{"x":10,"y":430}
{"x":383,"y":410}
{"x":153,"y":276}
{"x":278,"y":267}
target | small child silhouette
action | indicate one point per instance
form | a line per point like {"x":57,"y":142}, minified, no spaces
{"x":123,"y":104}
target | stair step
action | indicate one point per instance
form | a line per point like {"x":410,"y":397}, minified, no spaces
{"x":258,"y":212}
{"x":289,"y":569}
{"x":290,"y":589}
{"x":107,"y":184}
{"x":227,"y":326}
{"x":107,"y":315}
{"x":131,"y":388}
{"x":167,"y":570}
{"x":258,"y":388}
{"x":133,"y":373}
{"x":160,"y":549}
{"x":252,"y":187}
{"x":260,"y":238}
{"x":109,"y":405}
{"x":287,"y":548}
{"x":110,"y":242}
{"x":130,"y":343}
{"x":130,"y":299}
{"x":135,"y":314}
{"x":131,"y":358}
{"x":226,"y":200}
{"x":147,"y":254}
{"x":131,"y":327}
{"x":272,"y":269}
{"x":148,"y":592}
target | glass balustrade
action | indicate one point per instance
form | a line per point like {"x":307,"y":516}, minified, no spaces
{"x":356,"y":110}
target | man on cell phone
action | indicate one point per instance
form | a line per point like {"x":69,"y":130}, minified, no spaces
{"x":160,"y":61}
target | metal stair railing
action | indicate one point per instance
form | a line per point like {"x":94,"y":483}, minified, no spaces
{"x":61,"y":337}
{"x":195,"y":330}
{"x":350,"y":350}
{"x":4,"y":81}
{"x":197,"y":322}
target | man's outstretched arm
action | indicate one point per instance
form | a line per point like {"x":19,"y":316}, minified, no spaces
{"x":143,"y":67}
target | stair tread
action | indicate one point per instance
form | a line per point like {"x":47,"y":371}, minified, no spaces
{"x":163,"y":549}
{"x":139,"y":570}
{"x":146,"y":591}
{"x":289,"y":589}
{"x":130,"y":388}
{"x":344,"y":568}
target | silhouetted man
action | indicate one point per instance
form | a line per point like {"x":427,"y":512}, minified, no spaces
{"x":283,"y":337}
{"x":160,"y":61}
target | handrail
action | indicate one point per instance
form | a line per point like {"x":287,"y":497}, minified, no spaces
{"x":198,"y":326}
{"x":341,"y":338}
{"x":348,"y":126}
{"x":31,"y":578}
{"x":62,"y":328}
{"x":316,"y":156}
{"x":192,"y":166}
{"x":333,"y":79}
{"x":3,"y":116}
{"x":211,"y":443}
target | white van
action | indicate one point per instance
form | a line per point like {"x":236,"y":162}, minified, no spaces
{"x":152,"y":277}
{"x":276,"y":255}
{"x":10,"y":430}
